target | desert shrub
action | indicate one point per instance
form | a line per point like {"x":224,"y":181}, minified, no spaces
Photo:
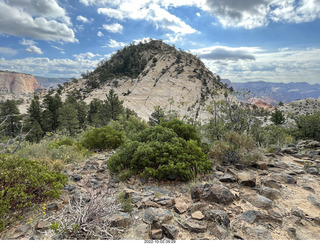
{"x":53,"y":153}
{"x":183,"y":130}
{"x":158,"y":152}
{"x":102,"y":138}
{"x":235,"y":148}
{"x":308,"y":126}
{"x":24,"y":182}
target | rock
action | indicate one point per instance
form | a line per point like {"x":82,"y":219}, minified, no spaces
{"x":312,"y":171}
{"x":221,"y":233}
{"x":251,"y":216}
{"x":137,"y":232}
{"x":283,"y":178}
{"x":259,"y":201}
{"x":170,"y":231}
{"x":262,"y":165}
{"x":292,"y":232}
{"x":218,"y":216}
{"x":21,"y":231}
{"x":314,"y":200}
{"x":228,"y":178}
{"x":180,"y":205}
{"x":297,"y":212}
{"x":148,"y":204}
{"x":69,"y":188}
{"x":313,"y":144}
{"x":195,"y":226}
{"x":166,"y":202}
{"x":258,"y":233}
{"x":121,"y":220}
{"x":156,"y":214}
{"x":271,"y":183}
{"x":219,"y":194}
{"x":289,"y":150}
{"x":309,"y":188}
{"x":156,"y":234}
{"x":197,"y":191}
{"x":196,"y":207}
{"x":270,"y":193}
{"x":156,"y":190}
{"x":313,"y":153}
{"x":197,"y":215}
{"x":76,"y":178}
{"x":52,"y":206}
{"x":247,"y":179}
{"x":280,"y":164}
{"x":42,"y":225}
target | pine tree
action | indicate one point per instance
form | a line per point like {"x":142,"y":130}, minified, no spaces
{"x":277,"y":117}
{"x":113,"y":106}
{"x":50,"y":114}
{"x":68,"y":119}
{"x":10,"y":118}
{"x":157,"y":116}
{"x":34,"y":110}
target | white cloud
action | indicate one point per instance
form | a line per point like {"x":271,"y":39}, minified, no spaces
{"x":100,"y":34}
{"x":34,"y":49}
{"x":8,"y":51}
{"x":114,"y":28}
{"x":82,"y":19}
{"x":43,"y":20}
{"x":50,"y":67}
{"x":87,"y":55}
{"x":114,"y":44}
{"x":286,"y":65}
{"x":25,"y":42}
{"x":112,"y":13}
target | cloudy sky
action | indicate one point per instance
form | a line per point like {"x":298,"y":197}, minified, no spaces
{"x":241,"y":40}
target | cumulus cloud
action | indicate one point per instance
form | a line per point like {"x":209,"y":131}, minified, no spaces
{"x":114,"y":44}
{"x":113,"y":28}
{"x":83,"y":19}
{"x":50,"y":67}
{"x":34,"y":49}
{"x":84,"y":56}
{"x":100,"y":34}
{"x":43,"y":20}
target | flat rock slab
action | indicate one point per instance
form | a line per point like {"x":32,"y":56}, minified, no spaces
{"x":156,"y":214}
{"x":314,"y":200}
{"x":283,"y":178}
{"x":259,"y":201}
{"x":195,"y":226}
{"x":180,"y":205}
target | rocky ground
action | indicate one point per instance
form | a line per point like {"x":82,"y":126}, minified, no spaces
{"x":276,"y":199}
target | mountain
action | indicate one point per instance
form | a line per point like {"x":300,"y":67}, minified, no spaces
{"x":18,"y":83}
{"x":47,"y":82}
{"x":274,"y":93}
{"x":153,"y":74}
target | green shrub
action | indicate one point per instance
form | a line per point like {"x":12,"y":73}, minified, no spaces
{"x":102,"y":138}
{"x":24,"y":182}
{"x":158,"y":152}
{"x":185,"y":131}
{"x":308,"y":126}
{"x":235,"y":148}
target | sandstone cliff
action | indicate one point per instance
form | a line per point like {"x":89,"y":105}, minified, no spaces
{"x":18,"y":83}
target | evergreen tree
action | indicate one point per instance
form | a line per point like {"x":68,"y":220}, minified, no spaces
{"x":94,"y":110}
{"x":277,"y":117}
{"x":81,"y":108}
{"x":157,"y":116}
{"x":50,"y":114}
{"x":113,"y":106}
{"x":34,"y":110}
{"x":35,"y":132}
{"x":10,"y":118}
{"x":68,"y":119}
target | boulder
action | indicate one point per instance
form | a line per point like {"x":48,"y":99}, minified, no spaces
{"x":314,"y":200}
{"x":219,"y":194}
{"x":270,"y":193}
{"x":221,"y":233}
{"x":251,"y":216}
{"x":218,"y":216}
{"x":228,"y":178}
{"x":283,"y":178}
{"x":197,"y":215}
{"x":180,"y":205}
{"x":195,"y":226}
{"x":259,"y":201}
{"x":156,"y":234}
{"x":170,"y":231}
{"x":258,"y":233}
{"x":121,"y":220}
{"x":247,"y":179}
{"x":156,"y":214}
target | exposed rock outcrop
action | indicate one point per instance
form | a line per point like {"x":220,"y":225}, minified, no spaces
{"x":18,"y":83}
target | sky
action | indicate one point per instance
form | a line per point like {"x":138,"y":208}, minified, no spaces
{"x":240,"y":40}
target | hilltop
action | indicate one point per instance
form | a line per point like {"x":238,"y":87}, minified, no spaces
{"x":153,"y":74}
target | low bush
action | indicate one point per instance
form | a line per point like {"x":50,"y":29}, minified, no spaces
{"x":235,"y":148}
{"x":102,"y":138}
{"x":158,"y":152}
{"x":24,"y":182}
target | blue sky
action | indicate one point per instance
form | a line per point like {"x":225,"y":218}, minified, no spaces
{"x":240,"y":40}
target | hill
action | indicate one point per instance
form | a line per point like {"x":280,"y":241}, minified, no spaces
{"x":153,"y":74}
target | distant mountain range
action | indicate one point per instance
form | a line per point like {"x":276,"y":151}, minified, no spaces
{"x":46,"y":82}
{"x":273,"y":93}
